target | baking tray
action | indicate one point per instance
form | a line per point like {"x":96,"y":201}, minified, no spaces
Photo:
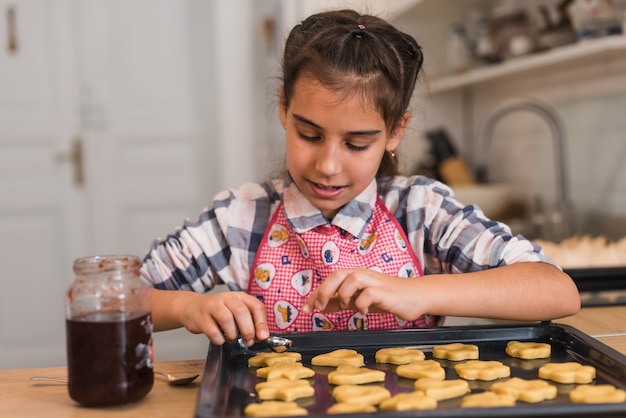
{"x":228,"y":383}
{"x":598,"y":279}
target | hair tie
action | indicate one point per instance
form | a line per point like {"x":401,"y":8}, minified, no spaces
{"x":359,"y":33}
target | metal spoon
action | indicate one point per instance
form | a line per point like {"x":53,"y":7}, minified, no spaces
{"x":178,"y":381}
{"x":278,"y":344}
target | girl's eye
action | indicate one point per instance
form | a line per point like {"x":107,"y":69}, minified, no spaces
{"x":308,"y":137}
{"x":357,"y":147}
{"x":351,"y":146}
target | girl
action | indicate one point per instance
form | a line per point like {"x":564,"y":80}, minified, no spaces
{"x":342,"y":242}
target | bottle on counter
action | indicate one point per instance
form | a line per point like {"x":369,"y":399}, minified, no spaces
{"x":108,"y":332}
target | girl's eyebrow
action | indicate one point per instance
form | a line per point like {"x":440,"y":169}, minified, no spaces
{"x":370,"y":132}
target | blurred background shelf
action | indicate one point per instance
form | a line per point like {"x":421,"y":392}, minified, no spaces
{"x":600,"y":51}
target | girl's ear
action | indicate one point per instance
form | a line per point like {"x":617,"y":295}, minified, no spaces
{"x":398,"y":132}
{"x":282,"y":111}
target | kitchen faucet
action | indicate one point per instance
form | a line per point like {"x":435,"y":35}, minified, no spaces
{"x":560,"y":218}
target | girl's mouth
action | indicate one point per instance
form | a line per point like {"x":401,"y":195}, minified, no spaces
{"x":321,"y":186}
{"x":325,"y":191}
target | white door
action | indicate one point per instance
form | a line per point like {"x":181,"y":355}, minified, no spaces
{"x":112,"y":77}
{"x":41,"y":210}
{"x":138,"y":119}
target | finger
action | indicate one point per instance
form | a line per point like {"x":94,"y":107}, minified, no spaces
{"x":213,"y":332}
{"x":311,"y":303}
{"x":332,"y":305}
{"x":350,"y":289}
{"x":227,"y":322}
{"x":314,"y":302}
{"x":363,"y":300}
{"x":244,"y":324}
{"x":260,"y":330}
{"x":326,"y":290}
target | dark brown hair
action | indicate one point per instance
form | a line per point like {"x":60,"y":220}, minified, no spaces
{"x":357,"y":55}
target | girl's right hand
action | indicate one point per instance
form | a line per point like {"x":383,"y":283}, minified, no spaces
{"x":226,"y":316}
{"x":222,"y":316}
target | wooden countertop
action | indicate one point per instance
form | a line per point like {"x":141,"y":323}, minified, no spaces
{"x":606,"y":323}
{"x":21,"y":397}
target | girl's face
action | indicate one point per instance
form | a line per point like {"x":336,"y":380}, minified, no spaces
{"x":334,"y":144}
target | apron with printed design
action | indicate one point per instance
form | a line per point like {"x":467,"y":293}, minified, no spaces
{"x":289,"y":266}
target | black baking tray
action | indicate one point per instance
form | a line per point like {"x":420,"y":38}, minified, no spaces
{"x":598,"y":279}
{"x":228,"y":383}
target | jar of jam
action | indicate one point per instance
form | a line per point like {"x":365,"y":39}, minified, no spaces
{"x":108,"y":332}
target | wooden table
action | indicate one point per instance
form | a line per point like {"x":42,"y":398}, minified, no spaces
{"x":21,"y":397}
{"x":606,"y":323}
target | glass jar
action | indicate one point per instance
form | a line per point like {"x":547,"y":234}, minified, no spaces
{"x":108,"y":331}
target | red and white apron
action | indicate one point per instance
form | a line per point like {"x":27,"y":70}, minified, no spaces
{"x":289,"y":266}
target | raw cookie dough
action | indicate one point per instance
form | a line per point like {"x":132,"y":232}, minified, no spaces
{"x":597,"y":394}
{"x":292,"y":371}
{"x":568,"y":372}
{"x":367,"y":395}
{"x":456,"y":351}
{"x":408,"y":401}
{"x":274,"y":409}
{"x":487,"y":400}
{"x":529,"y":391}
{"x":284,"y":389}
{"x":482,"y":370}
{"x":420,"y":369}
{"x":268,"y":359}
{"x":347,"y":374}
{"x":337,"y":357}
{"x":399,"y":355}
{"x":442,"y":389}
{"x":350,"y":408}
{"x":528,"y":350}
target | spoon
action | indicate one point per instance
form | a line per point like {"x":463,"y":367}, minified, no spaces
{"x":178,"y":381}
{"x":278,"y":344}
{"x":275,"y":343}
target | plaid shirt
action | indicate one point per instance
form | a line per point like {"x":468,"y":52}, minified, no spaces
{"x":220,"y":246}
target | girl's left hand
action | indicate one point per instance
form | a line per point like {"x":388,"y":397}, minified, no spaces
{"x":365,"y":291}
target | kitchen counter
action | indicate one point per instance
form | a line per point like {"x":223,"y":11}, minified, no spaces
{"x":605,"y":323}
{"x":19,"y":396}
{"x":22,"y":397}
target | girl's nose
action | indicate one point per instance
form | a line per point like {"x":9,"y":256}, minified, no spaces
{"x":328,"y":160}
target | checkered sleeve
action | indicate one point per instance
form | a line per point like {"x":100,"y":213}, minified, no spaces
{"x":449,"y":237}
{"x":219,"y":247}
